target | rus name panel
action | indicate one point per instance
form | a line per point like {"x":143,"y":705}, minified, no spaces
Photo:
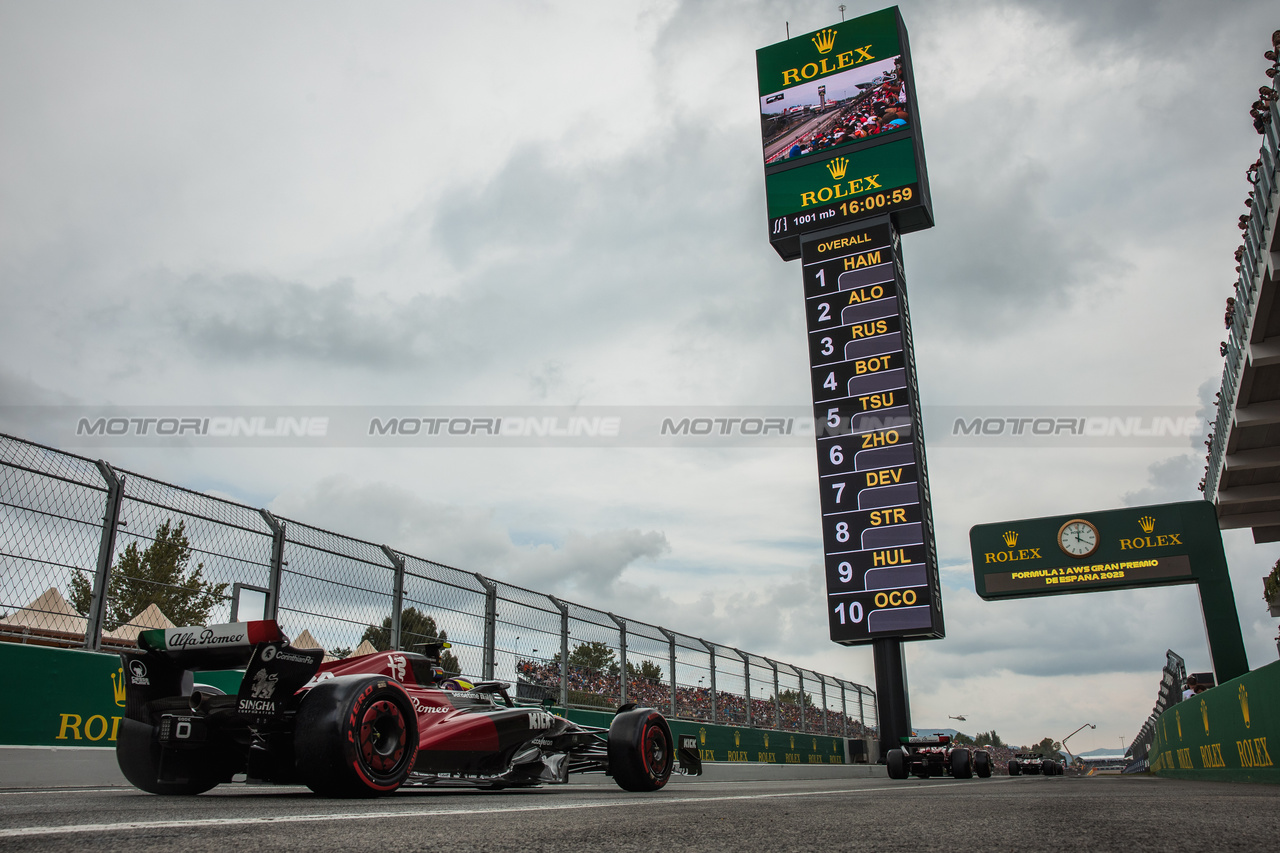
{"x":877,"y":527}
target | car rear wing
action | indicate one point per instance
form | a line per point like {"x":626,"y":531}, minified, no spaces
{"x":201,"y":647}
{"x":163,"y":664}
{"x":933,"y":740}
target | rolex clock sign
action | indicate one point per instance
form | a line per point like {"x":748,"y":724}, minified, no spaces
{"x":1090,"y":551}
{"x":840,"y":130}
{"x":1160,"y":545}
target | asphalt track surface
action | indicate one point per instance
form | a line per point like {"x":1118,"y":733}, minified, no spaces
{"x":1001,"y":813}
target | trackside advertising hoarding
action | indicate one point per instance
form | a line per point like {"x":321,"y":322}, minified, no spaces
{"x":840,"y":130}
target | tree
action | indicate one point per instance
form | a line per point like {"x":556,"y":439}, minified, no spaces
{"x":962,"y":739}
{"x":795,"y":697}
{"x":340,"y":652}
{"x":159,"y":575}
{"x":415,"y":627}
{"x":595,"y":656}
{"x":989,"y":738}
{"x":647,"y":669}
{"x":1047,"y":747}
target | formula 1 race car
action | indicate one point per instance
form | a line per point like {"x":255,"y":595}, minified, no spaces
{"x":936,"y":756}
{"x":358,"y":727}
{"x":1033,"y":764}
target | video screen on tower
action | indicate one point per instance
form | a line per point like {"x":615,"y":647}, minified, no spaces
{"x":865,"y":102}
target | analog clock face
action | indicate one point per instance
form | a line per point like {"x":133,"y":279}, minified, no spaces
{"x":1078,"y":538}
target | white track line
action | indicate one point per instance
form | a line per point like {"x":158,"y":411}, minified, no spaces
{"x":34,"y":831}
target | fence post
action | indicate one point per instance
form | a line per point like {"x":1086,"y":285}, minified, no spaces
{"x":106,"y":550}
{"x":272,"y":608}
{"x":862,"y":717}
{"x":671,"y":641}
{"x":712,"y":648}
{"x":564,"y":649}
{"x":800,"y":700}
{"x":844,"y":709}
{"x":777,"y":711}
{"x":746,"y":681}
{"x":622,"y":653}
{"x":490,"y":624}
{"x":397,"y":595}
{"x":826,"y":726}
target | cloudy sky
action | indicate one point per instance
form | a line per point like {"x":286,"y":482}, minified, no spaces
{"x":562,"y":203}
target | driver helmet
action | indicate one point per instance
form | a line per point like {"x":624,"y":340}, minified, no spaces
{"x":456,"y":684}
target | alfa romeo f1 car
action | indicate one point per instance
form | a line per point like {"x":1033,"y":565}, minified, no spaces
{"x":936,"y":756}
{"x":1033,"y":763}
{"x":358,"y":727}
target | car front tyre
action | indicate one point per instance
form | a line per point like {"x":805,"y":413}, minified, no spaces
{"x":641,"y":750}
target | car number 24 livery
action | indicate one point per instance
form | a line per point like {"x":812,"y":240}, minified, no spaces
{"x":357,"y":727}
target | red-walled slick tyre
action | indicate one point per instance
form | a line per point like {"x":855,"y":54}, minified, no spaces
{"x":641,"y":750}
{"x":356,"y":736}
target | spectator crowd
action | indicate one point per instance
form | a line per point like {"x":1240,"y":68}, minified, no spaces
{"x":598,"y":688}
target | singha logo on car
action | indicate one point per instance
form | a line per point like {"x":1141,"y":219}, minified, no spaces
{"x":264,"y":685}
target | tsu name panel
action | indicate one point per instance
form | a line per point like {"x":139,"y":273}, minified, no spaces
{"x":877,"y":529}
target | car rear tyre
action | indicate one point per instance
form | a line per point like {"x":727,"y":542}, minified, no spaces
{"x":896,"y":762}
{"x":641,"y":750}
{"x":961,"y":768}
{"x":982,"y":764}
{"x":1015,"y":767}
{"x":190,"y":771}
{"x":356,"y":737}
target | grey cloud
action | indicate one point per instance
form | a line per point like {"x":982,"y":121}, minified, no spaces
{"x":1169,"y":480}
{"x":244,"y":317}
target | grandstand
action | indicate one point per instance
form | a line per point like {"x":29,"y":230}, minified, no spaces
{"x":1242,"y":476}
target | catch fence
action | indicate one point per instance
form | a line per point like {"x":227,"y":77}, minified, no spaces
{"x":91,"y":555}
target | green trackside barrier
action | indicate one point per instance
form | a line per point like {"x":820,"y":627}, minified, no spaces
{"x":1228,"y":733}
{"x":76,"y":698}
{"x":67,"y":697}
{"x":739,"y":743}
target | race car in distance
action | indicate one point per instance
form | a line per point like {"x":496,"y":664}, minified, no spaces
{"x":937,"y":756}
{"x":358,"y":727}
{"x":1033,"y":763}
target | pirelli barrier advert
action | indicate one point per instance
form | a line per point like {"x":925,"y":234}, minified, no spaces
{"x":1159,"y":545}
{"x":877,"y":526}
{"x":1228,"y":733}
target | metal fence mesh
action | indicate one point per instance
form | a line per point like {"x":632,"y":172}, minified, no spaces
{"x":217,"y":544}
{"x":334,"y":592}
{"x":454,"y":602}
{"x":52,"y":505}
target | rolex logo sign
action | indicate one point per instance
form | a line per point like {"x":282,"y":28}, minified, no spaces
{"x":825,"y":40}
{"x":1147,"y":523}
{"x":1010,"y":538}
{"x":837,"y":167}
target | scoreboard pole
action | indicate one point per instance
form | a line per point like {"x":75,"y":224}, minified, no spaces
{"x":893,"y":710}
{"x":877,"y":525}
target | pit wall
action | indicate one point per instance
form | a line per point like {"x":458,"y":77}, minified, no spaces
{"x":1229,"y":733}
{"x":71,"y":698}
